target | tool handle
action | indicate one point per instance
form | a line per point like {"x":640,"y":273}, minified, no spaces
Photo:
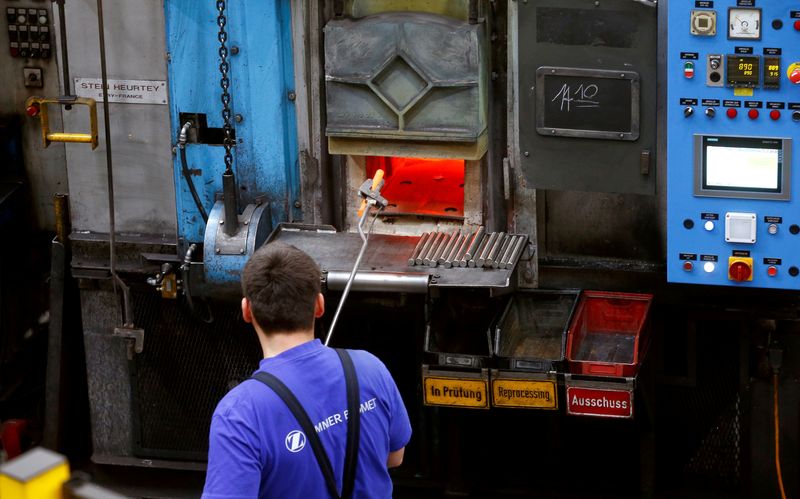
{"x":376,"y":181}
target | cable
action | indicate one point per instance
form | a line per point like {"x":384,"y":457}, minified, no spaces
{"x":777,"y":435}
{"x":187,"y":174}
{"x":187,"y":291}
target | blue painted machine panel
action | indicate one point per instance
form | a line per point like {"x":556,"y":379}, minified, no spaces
{"x":262,"y":78}
{"x":733,"y":155}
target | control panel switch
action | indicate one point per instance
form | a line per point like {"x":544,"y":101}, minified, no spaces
{"x":711,"y":112}
{"x":732,"y":113}
{"x":740,"y":269}
{"x":775,"y":115}
{"x":688,"y":111}
{"x":772,"y":229}
{"x":33,"y":77}
{"x":753,"y":114}
{"x":772,"y":271}
{"x":688,"y":266}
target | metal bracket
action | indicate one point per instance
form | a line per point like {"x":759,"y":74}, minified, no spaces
{"x":128,"y":332}
{"x":237,"y":243}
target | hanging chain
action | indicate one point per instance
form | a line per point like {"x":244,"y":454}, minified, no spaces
{"x":225,"y":83}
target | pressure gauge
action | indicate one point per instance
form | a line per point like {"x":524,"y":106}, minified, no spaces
{"x":744,"y":24}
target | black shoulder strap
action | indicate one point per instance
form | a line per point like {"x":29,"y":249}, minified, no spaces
{"x":353,"y":425}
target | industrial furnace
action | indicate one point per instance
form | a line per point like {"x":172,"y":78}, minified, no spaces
{"x":510,"y":201}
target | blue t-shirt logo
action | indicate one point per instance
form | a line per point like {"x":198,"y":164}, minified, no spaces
{"x":295,"y":441}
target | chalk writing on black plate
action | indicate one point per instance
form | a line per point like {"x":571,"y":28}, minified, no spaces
{"x":585,"y":96}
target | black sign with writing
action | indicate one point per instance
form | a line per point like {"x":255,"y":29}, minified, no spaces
{"x":688,"y":256}
{"x":690,"y":55}
{"x":701,"y":4}
{"x":773,"y":220}
{"x":794,"y":106}
{"x":772,"y":51}
{"x":732,"y":103}
{"x":709,"y":216}
{"x":711,"y":102}
{"x":745,"y":3}
{"x":776,"y":105}
{"x":795,"y":14}
{"x":709,"y":258}
{"x":742,"y":253}
{"x":685,"y":101}
{"x":772,"y":261}
{"x":588,"y":103}
{"x":744,"y":50}
{"x":753,"y":104}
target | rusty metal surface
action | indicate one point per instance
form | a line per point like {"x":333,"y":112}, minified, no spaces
{"x":337,"y":251}
{"x":406,"y":76}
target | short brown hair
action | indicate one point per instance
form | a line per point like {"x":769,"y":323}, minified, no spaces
{"x":281,"y":283}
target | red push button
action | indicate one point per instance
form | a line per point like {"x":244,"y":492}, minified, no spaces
{"x":32,"y":110}
{"x":753,"y":114}
{"x":740,"y":271}
{"x":688,"y":266}
{"x":772,"y":271}
{"x":794,"y":76}
{"x":797,"y":25}
{"x":775,"y":115}
{"x":732,"y":113}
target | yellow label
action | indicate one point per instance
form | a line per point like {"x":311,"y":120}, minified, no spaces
{"x":456,"y":392}
{"x":743,"y":92}
{"x":524,"y":393}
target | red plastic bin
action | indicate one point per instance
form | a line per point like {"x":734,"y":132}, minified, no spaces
{"x":608,"y":333}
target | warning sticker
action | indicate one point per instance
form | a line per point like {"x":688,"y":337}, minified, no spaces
{"x":456,"y":392}
{"x":524,"y":393}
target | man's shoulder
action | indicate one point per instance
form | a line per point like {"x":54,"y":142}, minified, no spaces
{"x":244,"y":397}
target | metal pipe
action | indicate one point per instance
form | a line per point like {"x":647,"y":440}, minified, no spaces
{"x":393,"y":282}
{"x":61,"y":208}
{"x":448,"y":261}
{"x":499,"y":258}
{"x":448,"y":247}
{"x":62,"y":23}
{"x":481,"y":261}
{"x":428,"y":243}
{"x":474,"y":242}
{"x":439,"y":249}
{"x":418,"y":248}
{"x":472,"y":262}
{"x":520,"y":243}
{"x":434,"y":248}
{"x":462,"y":249}
{"x":231,"y":216}
{"x":507,"y":252}
{"x":490,"y":257}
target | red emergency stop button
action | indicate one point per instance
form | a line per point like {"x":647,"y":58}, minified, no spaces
{"x":740,"y":271}
{"x":794,"y":76}
{"x":732,"y":113}
{"x":772,"y":271}
{"x":688,"y":266}
{"x":775,"y":115}
{"x":32,"y":110}
{"x":753,"y":114}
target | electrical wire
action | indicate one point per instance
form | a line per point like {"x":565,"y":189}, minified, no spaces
{"x":777,"y":420}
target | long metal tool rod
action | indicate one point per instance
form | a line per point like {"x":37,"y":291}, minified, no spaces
{"x":346,"y":291}
{"x":62,"y":23}
{"x":112,"y":236}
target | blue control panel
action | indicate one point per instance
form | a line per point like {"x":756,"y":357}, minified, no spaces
{"x":733,"y":132}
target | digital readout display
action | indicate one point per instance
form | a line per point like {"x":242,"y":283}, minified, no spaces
{"x":772,"y":72}
{"x":742,"y":164}
{"x":743,"y":70}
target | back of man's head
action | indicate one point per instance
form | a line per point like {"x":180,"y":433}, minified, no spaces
{"x":281,"y":283}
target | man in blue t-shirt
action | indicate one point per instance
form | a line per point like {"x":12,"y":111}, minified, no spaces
{"x":257,"y":447}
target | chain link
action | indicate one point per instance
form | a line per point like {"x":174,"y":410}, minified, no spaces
{"x":225,"y":83}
